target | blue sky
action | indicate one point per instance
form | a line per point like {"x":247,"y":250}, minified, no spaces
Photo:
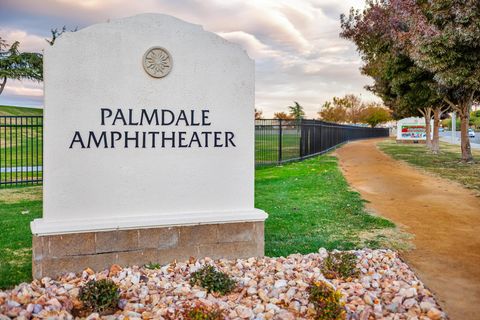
{"x":298,"y":53}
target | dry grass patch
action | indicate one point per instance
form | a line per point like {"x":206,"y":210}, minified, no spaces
{"x":395,"y":238}
{"x":18,"y":256}
{"x":10,"y":196}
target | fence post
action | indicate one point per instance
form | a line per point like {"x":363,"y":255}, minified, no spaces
{"x":280,"y":133}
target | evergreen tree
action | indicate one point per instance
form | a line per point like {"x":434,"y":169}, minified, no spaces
{"x":18,"y":65}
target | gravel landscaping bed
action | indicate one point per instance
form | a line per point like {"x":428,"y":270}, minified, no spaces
{"x":268,"y":288}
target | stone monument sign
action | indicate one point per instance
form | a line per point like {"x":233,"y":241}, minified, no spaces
{"x":149,"y":147}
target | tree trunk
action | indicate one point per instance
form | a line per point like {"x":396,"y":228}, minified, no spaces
{"x":427,"y":114}
{"x":428,"y":132}
{"x":2,"y":85}
{"x":464,"y":122}
{"x":428,"y":127}
{"x":437,"y":113}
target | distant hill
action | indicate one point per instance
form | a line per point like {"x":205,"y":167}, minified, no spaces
{"x":19,"y":111}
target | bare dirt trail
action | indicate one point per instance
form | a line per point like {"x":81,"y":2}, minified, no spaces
{"x":443,"y":217}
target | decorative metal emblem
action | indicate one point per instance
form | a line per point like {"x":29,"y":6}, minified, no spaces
{"x":157,"y":62}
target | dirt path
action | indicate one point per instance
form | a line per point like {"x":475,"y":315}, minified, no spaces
{"x":443,"y":216}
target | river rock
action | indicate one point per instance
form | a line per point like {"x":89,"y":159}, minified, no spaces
{"x":268,"y":288}
{"x":244,"y":312}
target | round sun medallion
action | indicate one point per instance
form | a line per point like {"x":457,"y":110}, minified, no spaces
{"x":157,"y":62}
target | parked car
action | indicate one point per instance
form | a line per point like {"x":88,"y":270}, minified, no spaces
{"x":440,"y":129}
{"x":471,"y":133}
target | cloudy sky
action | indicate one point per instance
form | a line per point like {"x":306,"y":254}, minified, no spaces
{"x":298,"y":52}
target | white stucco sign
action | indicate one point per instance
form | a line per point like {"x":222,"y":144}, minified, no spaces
{"x":148,"y":122}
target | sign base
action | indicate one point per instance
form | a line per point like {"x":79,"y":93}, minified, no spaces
{"x":44,"y":226}
{"x":410,"y":141}
{"x":74,"y":252}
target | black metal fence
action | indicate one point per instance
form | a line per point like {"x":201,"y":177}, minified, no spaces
{"x":276,"y":141}
{"x":21,"y":150}
{"x":279,"y":141}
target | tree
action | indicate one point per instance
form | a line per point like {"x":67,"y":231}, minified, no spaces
{"x":342,"y":109}
{"x":374,"y":114}
{"x":438,"y":113}
{"x":57,"y":33}
{"x":406,"y":88}
{"x":18,"y":65}
{"x":475,"y":119}
{"x":258,"y":114}
{"x":296,"y":111}
{"x":353,"y":107}
{"x":443,"y":37}
{"x":416,"y":92}
{"x":332,"y":113}
{"x":282,"y":116}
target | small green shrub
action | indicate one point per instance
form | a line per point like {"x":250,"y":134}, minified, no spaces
{"x":212,"y":280}
{"x":200,"y":312}
{"x":340,"y":265}
{"x":326,"y":301}
{"x":100,"y":296}
{"x":152,"y":265}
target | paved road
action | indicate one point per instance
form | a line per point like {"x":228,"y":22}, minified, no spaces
{"x":447,"y":137}
{"x":443,"y":216}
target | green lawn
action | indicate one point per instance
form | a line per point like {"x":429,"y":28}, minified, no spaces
{"x":267,"y":146}
{"x":310,"y":205}
{"x":17,"y":179}
{"x":20,"y":142}
{"x":17,"y":208}
{"x":447,"y":164}
{"x":25,"y":151}
{"x":19,"y":111}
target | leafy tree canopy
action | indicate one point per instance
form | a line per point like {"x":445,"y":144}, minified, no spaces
{"x":403,"y":86}
{"x":332,"y":113}
{"x":282,"y":116}
{"x":375,"y":114}
{"x":258,"y":114}
{"x":421,"y":53}
{"x":296,"y":111}
{"x":18,"y":65}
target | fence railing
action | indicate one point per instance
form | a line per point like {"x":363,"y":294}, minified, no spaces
{"x":276,"y":141}
{"x":279,"y":141}
{"x":21,"y":150}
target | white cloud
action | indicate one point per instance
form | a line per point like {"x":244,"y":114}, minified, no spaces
{"x":299,"y":54}
{"x":28,"y":42}
{"x":254,"y":48}
{"x":27,"y":88}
